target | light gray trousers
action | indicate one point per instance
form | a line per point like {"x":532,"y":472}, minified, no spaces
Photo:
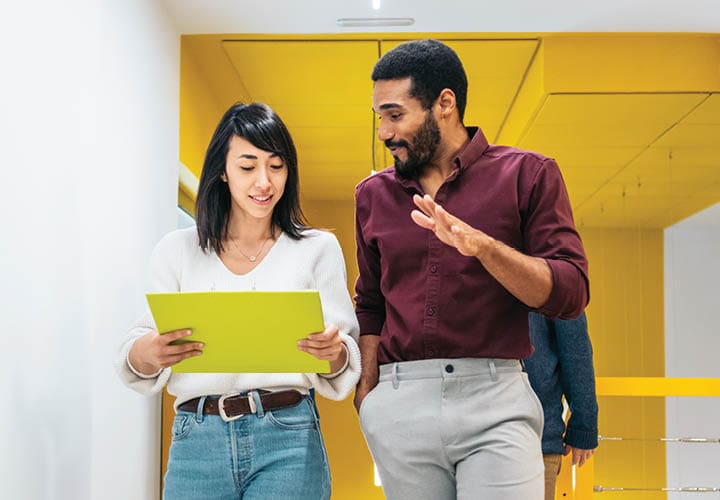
{"x":447,"y":429}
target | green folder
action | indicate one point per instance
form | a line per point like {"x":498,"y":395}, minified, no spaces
{"x":243,"y":332}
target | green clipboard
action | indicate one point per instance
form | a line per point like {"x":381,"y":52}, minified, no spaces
{"x":243,"y":332}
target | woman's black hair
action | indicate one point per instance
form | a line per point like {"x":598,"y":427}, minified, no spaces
{"x":262,"y":127}
{"x":431,"y":65}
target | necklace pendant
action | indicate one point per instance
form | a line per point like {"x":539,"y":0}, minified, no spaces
{"x":252,"y":258}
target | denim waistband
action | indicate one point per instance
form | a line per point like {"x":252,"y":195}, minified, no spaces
{"x":444,"y":368}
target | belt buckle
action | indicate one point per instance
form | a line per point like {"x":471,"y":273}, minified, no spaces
{"x":221,"y":405}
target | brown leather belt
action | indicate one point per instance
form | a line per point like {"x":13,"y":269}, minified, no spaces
{"x":234,"y":406}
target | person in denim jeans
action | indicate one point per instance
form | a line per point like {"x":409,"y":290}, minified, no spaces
{"x":247,"y":435}
{"x":562,"y":365}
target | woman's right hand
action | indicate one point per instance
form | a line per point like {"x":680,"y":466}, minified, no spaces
{"x":153,"y":352}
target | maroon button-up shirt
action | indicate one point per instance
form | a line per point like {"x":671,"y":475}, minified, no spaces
{"x":424,"y":298}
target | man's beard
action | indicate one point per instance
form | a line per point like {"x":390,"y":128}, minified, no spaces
{"x":420,"y":152}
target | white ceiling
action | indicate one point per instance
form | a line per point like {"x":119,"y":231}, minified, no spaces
{"x":476,"y":16}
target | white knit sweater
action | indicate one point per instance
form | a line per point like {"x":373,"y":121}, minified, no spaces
{"x":313,"y":262}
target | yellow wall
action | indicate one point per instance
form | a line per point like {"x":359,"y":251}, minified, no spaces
{"x":625,"y":317}
{"x":350,"y":461}
{"x":200,"y":111}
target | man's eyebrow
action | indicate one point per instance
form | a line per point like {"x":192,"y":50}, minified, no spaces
{"x":390,"y":105}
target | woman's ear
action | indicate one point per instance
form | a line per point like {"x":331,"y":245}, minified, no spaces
{"x":223,"y":177}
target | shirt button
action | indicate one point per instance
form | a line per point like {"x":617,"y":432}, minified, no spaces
{"x":449,"y":368}
{"x":433,"y":269}
{"x":431,"y":353}
{"x":431,"y":311}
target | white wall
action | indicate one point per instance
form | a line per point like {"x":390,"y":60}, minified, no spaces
{"x":88,"y":163}
{"x":692,"y":344}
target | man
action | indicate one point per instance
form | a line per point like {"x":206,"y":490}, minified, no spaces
{"x":562,"y":364}
{"x":455,"y":244}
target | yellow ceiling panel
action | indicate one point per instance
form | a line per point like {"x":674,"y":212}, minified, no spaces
{"x":311,"y":72}
{"x":584,"y":176}
{"x":212,"y":65}
{"x":697,"y":157}
{"x":495,"y":70}
{"x":346,"y":151}
{"x":676,"y":159}
{"x":660,"y":187}
{"x":593,"y":157}
{"x":681,"y":167}
{"x":631,"y":62}
{"x":689,"y":206}
{"x":548,"y":138}
{"x":707,"y":113}
{"x":632,"y":114}
{"x":336,"y":143}
{"x":309,"y":114}
{"x":579,"y":193}
{"x":612,"y":133}
{"x":330,"y":181}
{"x":323,"y":92}
{"x":693,"y":135}
{"x":355,"y":171}
{"x":616,"y":109}
{"x":612,"y":209}
{"x":605,"y":120}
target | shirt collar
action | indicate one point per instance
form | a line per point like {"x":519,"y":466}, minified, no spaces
{"x":473,"y":150}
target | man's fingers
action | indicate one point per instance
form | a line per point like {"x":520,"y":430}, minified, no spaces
{"x":445,"y":216}
{"x":417,"y":199}
{"x":425,"y":204}
{"x":422,"y":220}
{"x":585,"y":456}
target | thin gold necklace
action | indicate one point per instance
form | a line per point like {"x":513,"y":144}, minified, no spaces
{"x":251,"y":258}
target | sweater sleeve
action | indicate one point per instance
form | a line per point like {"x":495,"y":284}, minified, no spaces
{"x":165,"y":265}
{"x":578,"y":382}
{"x":331,"y":281}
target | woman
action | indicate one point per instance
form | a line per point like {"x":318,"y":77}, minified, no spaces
{"x":250,"y":235}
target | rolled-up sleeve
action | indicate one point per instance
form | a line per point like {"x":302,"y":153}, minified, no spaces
{"x":550,"y":234}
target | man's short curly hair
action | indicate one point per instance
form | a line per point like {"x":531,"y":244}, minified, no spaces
{"x":432,"y":66}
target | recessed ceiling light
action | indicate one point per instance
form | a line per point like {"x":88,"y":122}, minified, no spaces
{"x":376,"y":4}
{"x":347,"y":22}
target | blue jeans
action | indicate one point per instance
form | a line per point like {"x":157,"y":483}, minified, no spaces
{"x":276,"y":454}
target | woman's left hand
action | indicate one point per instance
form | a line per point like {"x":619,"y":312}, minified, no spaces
{"x":327,"y":346}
